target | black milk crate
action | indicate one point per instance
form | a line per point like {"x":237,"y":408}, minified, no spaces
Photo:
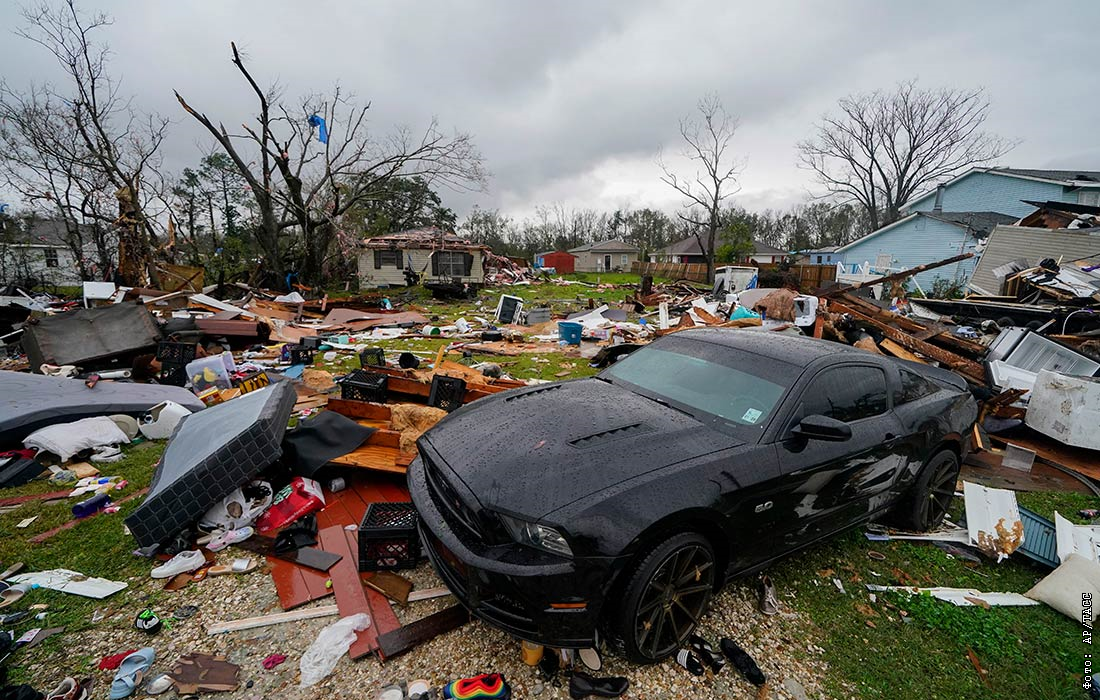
{"x":362,"y":385}
{"x":388,"y":538}
{"x":175,"y":375}
{"x":446,"y":392}
{"x":311,"y":342}
{"x":300,"y":355}
{"x":175,"y":354}
{"x":372,"y":357}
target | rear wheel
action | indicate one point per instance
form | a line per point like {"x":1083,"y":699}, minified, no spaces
{"x":930,"y":497}
{"x":664,"y":598}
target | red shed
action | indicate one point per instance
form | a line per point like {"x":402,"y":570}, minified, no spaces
{"x":560,"y":260}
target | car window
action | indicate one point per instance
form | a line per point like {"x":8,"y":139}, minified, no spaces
{"x":913,"y":387}
{"x":846,"y":393}
{"x":707,"y":380}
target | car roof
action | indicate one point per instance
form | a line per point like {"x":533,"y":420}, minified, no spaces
{"x":792,"y":349}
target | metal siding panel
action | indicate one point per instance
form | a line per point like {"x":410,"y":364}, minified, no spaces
{"x":1008,"y":243}
{"x":999,"y":193}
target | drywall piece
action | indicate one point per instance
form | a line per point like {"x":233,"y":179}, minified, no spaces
{"x":993,"y":520}
{"x":962,"y":597}
{"x":1066,"y":408}
{"x":1076,"y":539}
{"x":72,"y":582}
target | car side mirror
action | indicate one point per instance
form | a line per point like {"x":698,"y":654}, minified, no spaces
{"x":818,"y":427}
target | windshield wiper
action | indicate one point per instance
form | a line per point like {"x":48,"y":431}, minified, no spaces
{"x":666,"y":404}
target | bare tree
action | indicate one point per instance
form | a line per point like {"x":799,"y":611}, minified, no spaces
{"x":115,"y":141}
{"x":304,"y":185}
{"x":706,"y":139}
{"x":885,"y":147}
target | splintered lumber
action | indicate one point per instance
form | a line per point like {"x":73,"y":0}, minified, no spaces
{"x":923,"y":330}
{"x":898,"y":351}
{"x":360,"y":409}
{"x":249,"y":623}
{"x":428,"y":594}
{"x":898,"y":275}
{"x":971,"y":370}
{"x":867,"y":343}
{"x":416,"y":633}
{"x":384,"y":459}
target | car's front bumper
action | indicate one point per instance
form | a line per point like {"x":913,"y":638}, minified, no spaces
{"x":512,"y":587}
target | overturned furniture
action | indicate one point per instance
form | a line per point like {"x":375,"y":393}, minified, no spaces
{"x":91,"y":337}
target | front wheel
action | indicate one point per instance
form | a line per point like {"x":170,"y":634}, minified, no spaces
{"x":930,"y":497}
{"x":665,"y":597}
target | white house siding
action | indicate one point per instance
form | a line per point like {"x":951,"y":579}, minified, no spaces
{"x":21,"y":261}
{"x":980,"y":191}
{"x":918,"y":241}
{"x":419,"y":259}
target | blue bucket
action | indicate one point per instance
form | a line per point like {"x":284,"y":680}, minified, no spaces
{"x":570,"y":332}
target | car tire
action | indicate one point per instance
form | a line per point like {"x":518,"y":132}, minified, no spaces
{"x":929,"y":498}
{"x":653,"y":620}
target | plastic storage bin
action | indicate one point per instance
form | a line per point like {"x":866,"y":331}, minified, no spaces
{"x":388,"y":538}
{"x":211,"y":372}
{"x":570,"y":332}
{"x":446,"y":392}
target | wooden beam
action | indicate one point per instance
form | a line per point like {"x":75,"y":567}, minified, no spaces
{"x":900,"y":275}
{"x":971,"y":370}
{"x":249,"y":623}
{"x":425,"y":629}
{"x":898,"y":351}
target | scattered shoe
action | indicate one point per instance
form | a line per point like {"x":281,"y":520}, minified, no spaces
{"x":159,"y":685}
{"x":706,"y":653}
{"x":147,"y":621}
{"x":582,"y":685}
{"x":108,"y":453}
{"x":590,"y":657}
{"x":391,"y":692}
{"x":769,"y":603}
{"x":243,"y":565}
{"x":690,"y":661}
{"x":183,"y":563}
{"x":487,"y":685}
{"x":743,"y":662}
{"x":419,"y":690}
{"x":131,"y":672}
{"x":68,"y":689}
{"x":228,"y":537}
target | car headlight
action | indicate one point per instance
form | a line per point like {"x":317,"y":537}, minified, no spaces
{"x":536,"y":535}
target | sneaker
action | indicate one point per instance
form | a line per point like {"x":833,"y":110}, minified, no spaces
{"x":690,"y":661}
{"x":769,"y":603}
{"x":68,"y":689}
{"x":228,"y":537}
{"x":743,"y":662}
{"x":183,"y":563}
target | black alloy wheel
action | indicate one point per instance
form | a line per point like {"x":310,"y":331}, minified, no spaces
{"x":666,"y":597}
{"x":943,"y":473}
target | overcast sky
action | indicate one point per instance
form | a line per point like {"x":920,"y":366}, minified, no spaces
{"x":571,"y":101}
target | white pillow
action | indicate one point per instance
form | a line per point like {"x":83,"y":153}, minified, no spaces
{"x":1066,"y":586}
{"x":66,"y":439}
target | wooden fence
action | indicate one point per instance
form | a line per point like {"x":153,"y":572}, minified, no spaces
{"x":810,"y":277}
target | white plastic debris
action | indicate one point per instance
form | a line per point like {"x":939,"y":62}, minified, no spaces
{"x":332,"y":642}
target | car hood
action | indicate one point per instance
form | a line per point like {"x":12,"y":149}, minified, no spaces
{"x":531,"y":451}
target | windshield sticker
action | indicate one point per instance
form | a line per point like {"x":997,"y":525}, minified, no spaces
{"x":752,"y":415}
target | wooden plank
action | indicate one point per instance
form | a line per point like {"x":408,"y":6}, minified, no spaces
{"x":359,"y":409}
{"x":350,"y":597}
{"x":1075,"y":459}
{"x":382,"y":459}
{"x":416,"y":633}
{"x":969,"y":369}
{"x":249,"y":623}
{"x":428,"y":594}
{"x":898,"y":351}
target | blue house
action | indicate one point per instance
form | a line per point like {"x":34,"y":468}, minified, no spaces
{"x":951,"y":219}
{"x":924,"y":237}
{"x":1005,"y":190}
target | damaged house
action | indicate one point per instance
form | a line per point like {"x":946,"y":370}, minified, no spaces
{"x":428,"y":256}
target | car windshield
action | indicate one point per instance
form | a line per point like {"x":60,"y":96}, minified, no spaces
{"x":707,"y":380}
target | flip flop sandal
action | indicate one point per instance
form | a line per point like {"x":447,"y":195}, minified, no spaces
{"x":229,"y":537}
{"x":706,"y":653}
{"x":158,"y":685}
{"x":419,"y":689}
{"x":185,"y":611}
{"x":243,"y":565}
{"x":391,"y":692}
{"x":690,"y":661}
{"x":487,"y":685}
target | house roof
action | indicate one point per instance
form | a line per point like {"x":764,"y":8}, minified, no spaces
{"x":554,"y":252}
{"x":980,"y":222}
{"x":426,"y":237}
{"x":42,"y":232}
{"x":1067,"y":207}
{"x":759,"y":248}
{"x":614,"y":246}
{"x":690,"y":246}
{"x":1076,"y":178}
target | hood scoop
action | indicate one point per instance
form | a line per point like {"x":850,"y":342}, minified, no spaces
{"x":533,"y":392}
{"x":605,"y":436}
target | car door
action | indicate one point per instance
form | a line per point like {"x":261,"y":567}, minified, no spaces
{"x":824,"y":485}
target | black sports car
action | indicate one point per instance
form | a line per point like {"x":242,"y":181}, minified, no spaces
{"x":619,"y":504}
